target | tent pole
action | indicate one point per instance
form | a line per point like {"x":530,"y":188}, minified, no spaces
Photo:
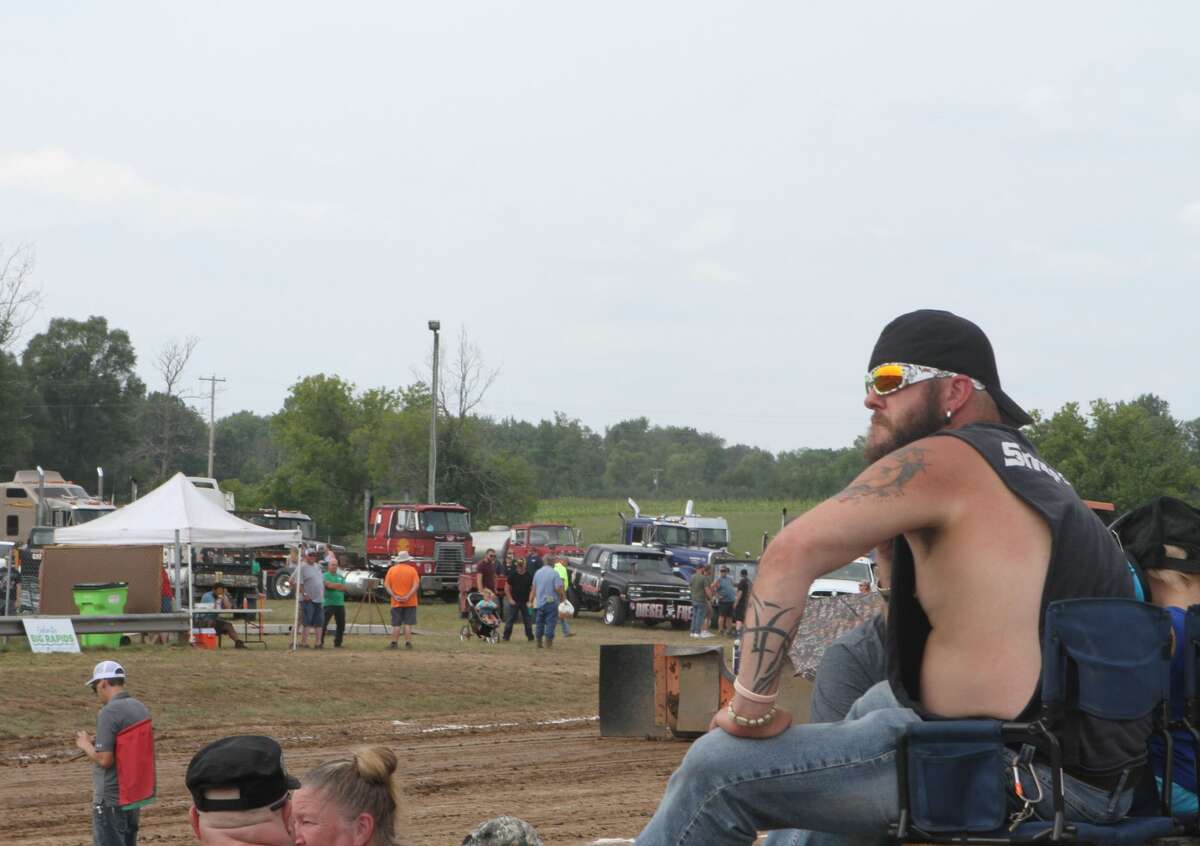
{"x":191,"y":598}
{"x":176,"y":557}
{"x":179,"y":587}
{"x":296,"y":596}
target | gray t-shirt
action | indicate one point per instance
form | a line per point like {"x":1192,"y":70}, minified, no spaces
{"x":545,"y":586}
{"x":120,"y":713}
{"x":852,"y":665}
{"x":726,"y":590}
{"x":313,"y":582}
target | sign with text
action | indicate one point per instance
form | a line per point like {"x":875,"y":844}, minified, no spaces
{"x":48,"y":634}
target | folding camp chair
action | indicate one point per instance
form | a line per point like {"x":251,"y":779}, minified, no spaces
{"x":1108,"y":658}
{"x":1189,"y":722}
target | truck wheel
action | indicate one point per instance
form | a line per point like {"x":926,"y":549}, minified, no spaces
{"x":280,"y":586}
{"x":614,"y":611}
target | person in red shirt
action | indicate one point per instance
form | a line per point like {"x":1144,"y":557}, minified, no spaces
{"x":166,"y":604}
{"x":485,"y":572}
{"x":403,"y":583}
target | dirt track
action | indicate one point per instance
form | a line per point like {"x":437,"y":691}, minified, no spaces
{"x":444,"y":769}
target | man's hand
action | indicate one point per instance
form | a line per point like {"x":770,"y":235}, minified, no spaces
{"x":778,"y":725}
{"x":83,"y":741}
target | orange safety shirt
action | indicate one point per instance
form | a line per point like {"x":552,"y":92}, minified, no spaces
{"x":400,"y":579}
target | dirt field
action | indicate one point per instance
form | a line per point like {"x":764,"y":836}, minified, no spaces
{"x":449,"y":790}
{"x":481,"y":730}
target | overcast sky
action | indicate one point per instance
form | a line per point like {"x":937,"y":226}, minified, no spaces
{"x":700,"y":212}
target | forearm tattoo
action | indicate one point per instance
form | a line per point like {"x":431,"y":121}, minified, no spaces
{"x":770,"y":629}
{"x":890,"y":476}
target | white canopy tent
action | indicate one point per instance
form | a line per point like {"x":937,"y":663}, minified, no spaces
{"x":174,"y":506}
{"x":172,"y":515}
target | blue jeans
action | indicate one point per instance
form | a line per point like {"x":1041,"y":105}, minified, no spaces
{"x":113,"y":827}
{"x":547,"y":620}
{"x":699,"y":616}
{"x":822,"y":777}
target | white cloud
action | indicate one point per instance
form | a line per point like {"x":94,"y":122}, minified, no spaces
{"x":117,"y":189}
{"x":1190,"y":216}
{"x":55,"y":171}
{"x":1042,"y":101}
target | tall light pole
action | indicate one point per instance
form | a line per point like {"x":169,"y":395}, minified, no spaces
{"x":434,"y":326}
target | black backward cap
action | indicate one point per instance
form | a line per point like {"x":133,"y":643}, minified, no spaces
{"x":946,"y":341}
{"x":252,"y":764}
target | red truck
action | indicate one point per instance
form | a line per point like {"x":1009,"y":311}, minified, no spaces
{"x":546,"y":539}
{"x":437,"y":536}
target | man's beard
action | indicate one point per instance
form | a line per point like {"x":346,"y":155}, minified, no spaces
{"x":924,"y":420}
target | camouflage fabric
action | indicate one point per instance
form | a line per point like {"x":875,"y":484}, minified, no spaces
{"x":503,"y":831}
{"x":826,"y":618}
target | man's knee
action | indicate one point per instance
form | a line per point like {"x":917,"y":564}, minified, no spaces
{"x":876,"y":698}
{"x":709,"y":756}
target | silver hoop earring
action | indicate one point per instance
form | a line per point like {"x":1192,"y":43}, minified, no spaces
{"x":948,"y":415}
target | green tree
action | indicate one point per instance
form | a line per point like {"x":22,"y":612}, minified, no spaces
{"x":753,"y":473}
{"x":244,"y":448}
{"x":1123,"y":452}
{"x":322,"y":469}
{"x":16,"y":418}
{"x":82,"y":373}
{"x":1139,"y":451}
{"x":168,"y":436}
{"x":1064,"y":440}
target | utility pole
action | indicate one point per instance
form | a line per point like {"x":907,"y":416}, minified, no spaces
{"x":212,"y":418}
{"x":434,"y":326}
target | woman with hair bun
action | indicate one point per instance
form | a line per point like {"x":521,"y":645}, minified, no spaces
{"x":349,"y":801}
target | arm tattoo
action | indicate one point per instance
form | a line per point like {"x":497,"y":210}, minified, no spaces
{"x":770,"y":628}
{"x":890,"y":477}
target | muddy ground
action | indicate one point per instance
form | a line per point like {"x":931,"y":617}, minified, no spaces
{"x":561,"y":777}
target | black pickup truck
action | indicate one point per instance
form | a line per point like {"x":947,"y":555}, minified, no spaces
{"x":629,"y":581}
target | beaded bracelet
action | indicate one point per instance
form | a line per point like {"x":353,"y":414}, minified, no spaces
{"x":751,"y":696}
{"x":749,"y":723}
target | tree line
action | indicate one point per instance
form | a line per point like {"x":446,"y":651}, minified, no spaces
{"x":72,"y":402}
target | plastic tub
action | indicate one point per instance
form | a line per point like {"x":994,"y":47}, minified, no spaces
{"x":97,"y":600}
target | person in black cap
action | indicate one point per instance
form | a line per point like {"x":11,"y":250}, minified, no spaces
{"x":241,"y":793}
{"x":992,"y":533}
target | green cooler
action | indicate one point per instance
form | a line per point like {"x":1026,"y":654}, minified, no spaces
{"x":98,"y":600}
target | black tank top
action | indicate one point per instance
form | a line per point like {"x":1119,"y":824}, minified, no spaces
{"x":1085,"y":561}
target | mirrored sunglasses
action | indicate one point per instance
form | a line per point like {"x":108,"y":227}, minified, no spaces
{"x":888,"y":378}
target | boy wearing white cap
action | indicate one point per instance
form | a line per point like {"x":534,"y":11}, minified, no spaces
{"x":111,"y":826}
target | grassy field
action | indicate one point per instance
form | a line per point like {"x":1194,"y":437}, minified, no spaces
{"x":748,"y":519}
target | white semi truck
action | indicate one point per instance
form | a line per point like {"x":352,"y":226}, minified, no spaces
{"x":45,"y":499}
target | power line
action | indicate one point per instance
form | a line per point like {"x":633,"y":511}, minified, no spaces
{"x":212,"y":418}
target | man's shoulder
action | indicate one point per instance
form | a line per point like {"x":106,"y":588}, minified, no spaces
{"x":124,"y":709}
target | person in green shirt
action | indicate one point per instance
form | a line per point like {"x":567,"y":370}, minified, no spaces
{"x":335,"y":599}
{"x":560,"y":567}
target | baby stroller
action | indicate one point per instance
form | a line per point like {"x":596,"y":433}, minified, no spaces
{"x":475,"y":625}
